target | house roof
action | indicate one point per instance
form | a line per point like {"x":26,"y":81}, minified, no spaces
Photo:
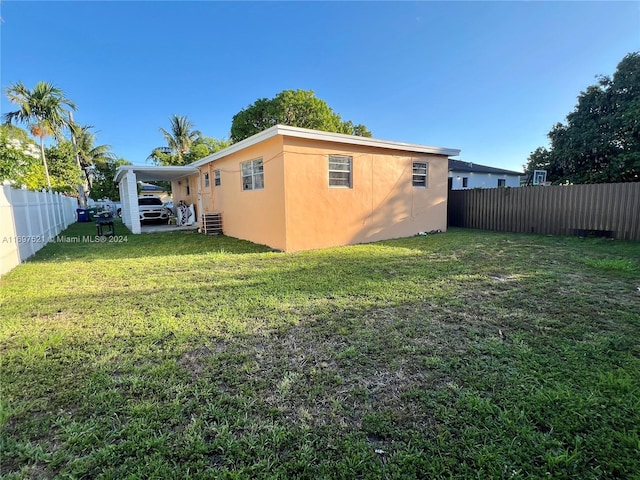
{"x":151,"y":173}
{"x":462,"y":166}
{"x":148,"y":187}
{"x":288,"y":131}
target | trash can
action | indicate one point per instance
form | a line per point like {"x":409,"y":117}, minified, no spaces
{"x":93,"y":211}
{"x":83,"y":214}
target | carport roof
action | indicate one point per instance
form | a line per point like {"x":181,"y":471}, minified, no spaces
{"x":150,"y":173}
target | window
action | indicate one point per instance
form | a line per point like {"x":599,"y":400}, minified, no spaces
{"x":206,"y":180}
{"x":340,"y":171}
{"x":188,"y":188}
{"x":252,"y":175}
{"x":216,"y":178}
{"x":465,"y":182}
{"x":502,"y":182}
{"x":420,"y":174}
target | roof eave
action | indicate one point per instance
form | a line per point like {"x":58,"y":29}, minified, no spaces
{"x":306,"y":133}
{"x":124,"y":169}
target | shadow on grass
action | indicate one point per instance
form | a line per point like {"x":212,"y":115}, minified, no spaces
{"x":79,"y":241}
{"x":451,"y":361}
{"x":315,"y":391}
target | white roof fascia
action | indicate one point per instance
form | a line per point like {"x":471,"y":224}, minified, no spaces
{"x":167,"y":173}
{"x":236,"y":147}
{"x":306,"y":133}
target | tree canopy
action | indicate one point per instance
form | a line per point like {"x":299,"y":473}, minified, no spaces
{"x":103,"y":172}
{"x":184,"y":144}
{"x":63,"y":165}
{"x":88,"y":154}
{"x":296,"y":108}
{"x":44,"y":108}
{"x":600,"y":141}
{"x":20,"y":158}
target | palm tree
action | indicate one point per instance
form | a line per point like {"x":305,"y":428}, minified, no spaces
{"x":87,"y":153}
{"x":42,"y":109}
{"x":179,"y":140}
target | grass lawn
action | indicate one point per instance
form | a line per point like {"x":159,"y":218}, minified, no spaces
{"x":461,"y":355}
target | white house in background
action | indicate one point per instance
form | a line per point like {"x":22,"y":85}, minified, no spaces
{"x":463,"y":175}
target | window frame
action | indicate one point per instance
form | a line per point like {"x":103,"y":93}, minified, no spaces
{"x":424,"y":176}
{"x":335,"y":159}
{"x":502,"y":182}
{"x":207,"y":182}
{"x":253,"y":174}
{"x":217,"y":181}
{"x":465,"y":182}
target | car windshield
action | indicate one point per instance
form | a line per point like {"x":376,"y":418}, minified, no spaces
{"x":149,"y":201}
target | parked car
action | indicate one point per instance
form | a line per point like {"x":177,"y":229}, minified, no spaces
{"x":152,"y":210}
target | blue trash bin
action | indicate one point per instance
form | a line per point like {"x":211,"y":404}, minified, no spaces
{"x":83,"y":214}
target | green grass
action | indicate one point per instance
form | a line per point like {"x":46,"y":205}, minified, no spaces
{"x":461,"y":355}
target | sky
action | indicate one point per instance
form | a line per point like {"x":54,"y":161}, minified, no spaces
{"x":488,"y":78}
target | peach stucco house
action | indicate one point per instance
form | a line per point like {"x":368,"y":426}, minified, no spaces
{"x":296,"y":189}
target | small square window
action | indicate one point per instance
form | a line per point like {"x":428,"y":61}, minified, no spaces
{"x":502,"y":182}
{"x":252,"y":174}
{"x":216,"y":178}
{"x":420,"y":171}
{"x":206,"y":180}
{"x":340,"y":171}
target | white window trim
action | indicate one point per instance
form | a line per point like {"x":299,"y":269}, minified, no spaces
{"x":424,"y":176}
{"x":252,"y":175}
{"x":217,"y":180}
{"x":330,"y":171}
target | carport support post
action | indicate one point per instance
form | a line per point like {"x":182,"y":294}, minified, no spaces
{"x":129,"y":198}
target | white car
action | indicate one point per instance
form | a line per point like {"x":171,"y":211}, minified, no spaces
{"x":152,"y":210}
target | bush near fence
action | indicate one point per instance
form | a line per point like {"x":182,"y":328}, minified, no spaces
{"x":609,"y":210}
{"x":29,"y":220}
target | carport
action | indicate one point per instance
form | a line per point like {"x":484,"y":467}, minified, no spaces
{"x":127,"y":178}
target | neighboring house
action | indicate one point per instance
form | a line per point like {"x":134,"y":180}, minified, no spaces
{"x":464,"y":175}
{"x":296,"y":189}
{"x":150,"y":190}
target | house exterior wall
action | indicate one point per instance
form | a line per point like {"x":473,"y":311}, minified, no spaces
{"x":179,"y":192}
{"x":206,"y":191}
{"x":381,"y":204}
{"x":255,"y":215}
{"x":482,"y":180}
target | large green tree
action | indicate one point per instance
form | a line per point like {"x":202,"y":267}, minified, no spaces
{"x":20,"y":162}
{"x":63,"y":167}
{"x":44,"y":108}
{"x":296,"y":108}
{"x":103,"y":173}
{"x":204,"y":146}
{"x":180,"y":138}
{"x":600,"y":141}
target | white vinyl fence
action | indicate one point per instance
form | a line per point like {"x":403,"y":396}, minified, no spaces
{"x":28,"y":221}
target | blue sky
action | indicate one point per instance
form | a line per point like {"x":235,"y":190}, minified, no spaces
{"x":489,"y":78}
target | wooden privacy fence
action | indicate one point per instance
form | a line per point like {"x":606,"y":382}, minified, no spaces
{"x":29,"y":220}
{"x":611,"y":210}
